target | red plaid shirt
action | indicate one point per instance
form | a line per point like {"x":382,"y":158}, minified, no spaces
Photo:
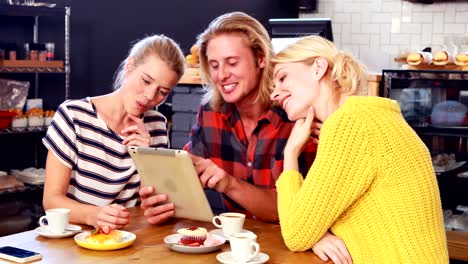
{"x":220,"y":136}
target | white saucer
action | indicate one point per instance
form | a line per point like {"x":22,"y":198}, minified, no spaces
{"x":219,"y":232}
{"x":71,"y":230}
{"x":226,"y":258}
{"x":172,"y":242}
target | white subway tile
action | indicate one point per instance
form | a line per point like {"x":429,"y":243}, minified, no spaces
{"x":385,"y":33}
{"x":366,"y":16}
{"x":434,"y":7}
{"x":376,"y":6}
{"x":360,"y":39}
{"x":426,"y":36}
{"x":415,"y":40}
{"x":391,"y":6}
{"x":400,"y":39}
{"x":462,"y":7}
{"x":375,"y":41}
{"x":342,"y":18}
{"x":353,"y":7}
{"x":454,"y":28}
{"x":337,"y":6}
{"x":396,"y":25}
{"x":390,"y":49}
{"x":337,"y":38}
{"x":461,"y":17}
{"x":449,"y":14}
{"x":370,"y":28}
{"x":417,"y":8}
{"x":346,"y":34}
{"x":421,"y":17}
{"x":336,"y":28}
{"x":411,"y":28}
{"x":438,"y":23}
{"x":438,"y":39}
{"x":381,"y":18}
{"x":356,"y":23}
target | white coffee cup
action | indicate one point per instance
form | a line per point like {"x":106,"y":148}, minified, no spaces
{"x":230,"y":223}
{"x":57,"y":220}
{"x":248,"y":234}
{"x":243,"y":247}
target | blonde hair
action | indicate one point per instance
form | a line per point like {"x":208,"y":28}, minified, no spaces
{"x":157,"y":45}
{"x":345,"y":75}
{"x":259,"y":42}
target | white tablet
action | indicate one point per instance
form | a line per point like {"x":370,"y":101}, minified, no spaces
{"x":171,"y":172}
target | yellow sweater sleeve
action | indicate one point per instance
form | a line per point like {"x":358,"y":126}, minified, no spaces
{"x":341,"y":172}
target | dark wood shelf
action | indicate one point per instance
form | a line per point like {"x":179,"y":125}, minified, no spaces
{"x":455,"y":131}
{"x":21,"y":10}
{"x":27,"y":130}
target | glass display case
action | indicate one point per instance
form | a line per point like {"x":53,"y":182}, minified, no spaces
{"x":435,"y":104}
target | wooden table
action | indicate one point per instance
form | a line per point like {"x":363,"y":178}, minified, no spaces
{"x":457,"y":242}
{"x":149,"y":246}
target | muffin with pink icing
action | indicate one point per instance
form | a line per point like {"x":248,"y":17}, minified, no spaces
{"x":192,"y":236}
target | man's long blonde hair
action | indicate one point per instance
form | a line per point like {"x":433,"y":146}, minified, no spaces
{"x":345,"y":75}
{"x":258,"y":40}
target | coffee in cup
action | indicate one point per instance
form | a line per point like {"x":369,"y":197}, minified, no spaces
{"x":229,"y":222}
{"x":57,"y":220}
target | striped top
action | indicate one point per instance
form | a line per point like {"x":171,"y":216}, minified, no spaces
{"x":102,"y":169}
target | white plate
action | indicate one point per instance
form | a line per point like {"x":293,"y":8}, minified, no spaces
{"x":173,"y":240}
{"x":226,"y":258}
{"x":439,"y":169}
{"x":219,"y":232}
{"x":71,"y":230}
{"x":463,"y":174}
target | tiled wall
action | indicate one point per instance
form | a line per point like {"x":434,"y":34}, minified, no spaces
{"x":378,"y":30}
{"x":185,"y":101}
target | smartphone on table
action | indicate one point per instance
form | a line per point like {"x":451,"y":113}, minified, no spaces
{"x":18,"y":254}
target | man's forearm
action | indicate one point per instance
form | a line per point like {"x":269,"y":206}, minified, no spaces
{"x":262,"y":203}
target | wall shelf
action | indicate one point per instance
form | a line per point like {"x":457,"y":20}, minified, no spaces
{"x":21,"y":10}
{"x":30,"y":66}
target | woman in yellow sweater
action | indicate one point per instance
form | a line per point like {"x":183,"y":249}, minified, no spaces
{"x":372,"y":182}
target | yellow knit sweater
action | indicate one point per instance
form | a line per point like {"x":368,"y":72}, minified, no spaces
{"x":372,"y":183}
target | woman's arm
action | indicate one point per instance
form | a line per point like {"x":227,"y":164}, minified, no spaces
{"x":55,"y":189}
{"x":340,"y":174}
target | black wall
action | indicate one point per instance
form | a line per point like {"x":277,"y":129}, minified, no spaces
{"x":102,"y":31}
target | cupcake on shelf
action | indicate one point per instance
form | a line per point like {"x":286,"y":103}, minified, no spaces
{"x":192,"y":236}
{"x":35,"y":117}
{"x":48,"y":116}
{"x":20,"y":121}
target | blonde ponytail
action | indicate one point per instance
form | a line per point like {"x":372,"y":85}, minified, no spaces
{"x":348,"y":73}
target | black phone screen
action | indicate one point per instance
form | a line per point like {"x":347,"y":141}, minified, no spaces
{"x":17,"y":252}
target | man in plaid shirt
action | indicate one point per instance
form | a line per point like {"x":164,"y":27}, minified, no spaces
{"x":237,"y":143}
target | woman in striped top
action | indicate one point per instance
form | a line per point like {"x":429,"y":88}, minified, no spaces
{"x":88,"y":167}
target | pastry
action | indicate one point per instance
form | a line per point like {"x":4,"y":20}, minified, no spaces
{"x":192,"y":236}
{"x":104,"y":235}
{"x":461,"y":59}
{"x":442,"y":57}
{"x":418,"y":58}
